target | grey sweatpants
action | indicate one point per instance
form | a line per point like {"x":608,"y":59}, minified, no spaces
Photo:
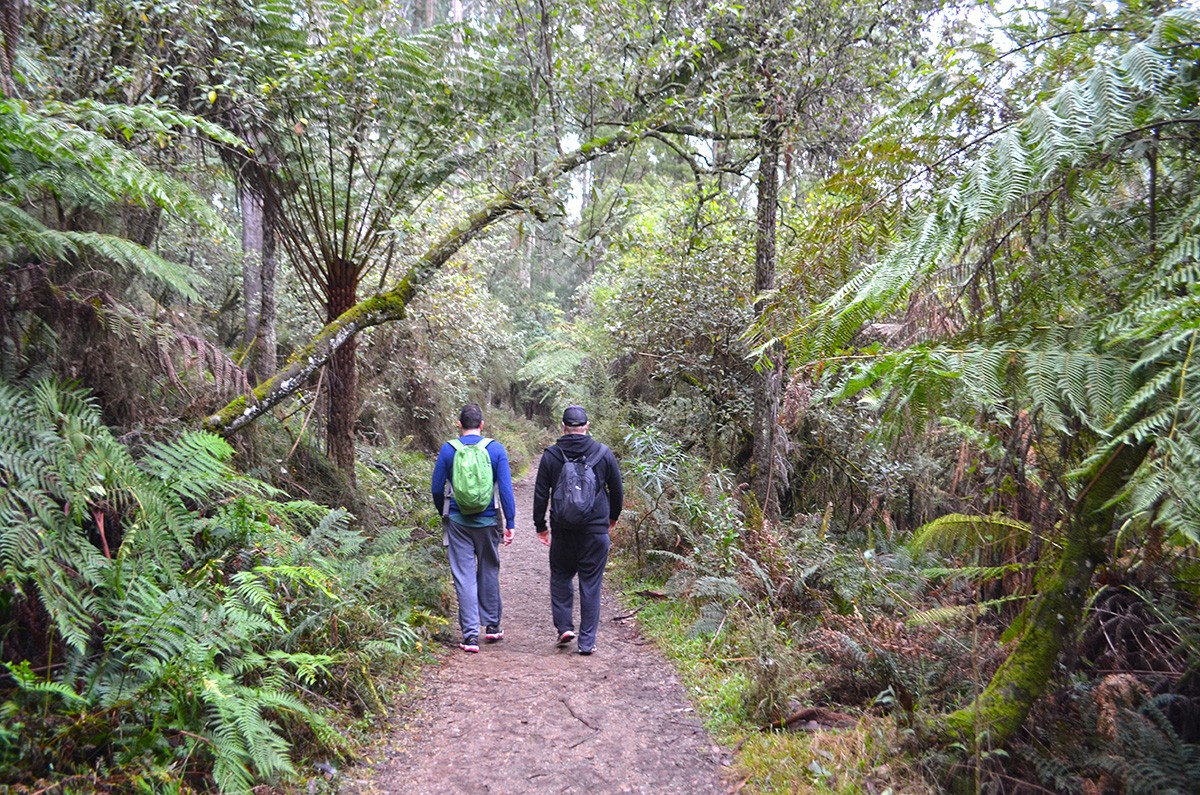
{"x":475,"y":567}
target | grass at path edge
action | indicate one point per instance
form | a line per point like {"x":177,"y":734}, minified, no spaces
{"x":861,"y":759}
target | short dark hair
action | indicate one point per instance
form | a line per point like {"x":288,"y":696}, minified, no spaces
{"x":471,"y":416}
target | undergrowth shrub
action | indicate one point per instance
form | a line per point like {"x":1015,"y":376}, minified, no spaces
{"x":164,"y":619}
{"x":775,"y":666}
{"x":680,"y":506}
{"x":897,"y":664}
{"x":1107,"y":735}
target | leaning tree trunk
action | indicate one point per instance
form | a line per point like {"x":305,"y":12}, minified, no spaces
{"x":343,"y":372}
{"x":10,"y":29}
{"x":392,"y":305}
{"x":1052,"y":617}
{"x":767,"y":387}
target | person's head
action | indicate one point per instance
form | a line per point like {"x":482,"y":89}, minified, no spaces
{"x":574,"y":420}
{"x":470,"y":418}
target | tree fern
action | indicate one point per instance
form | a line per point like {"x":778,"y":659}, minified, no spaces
{"x":1073,"y":130}
{"x":46,"y":149}
{"x":66,"y":153}
{"x":552,"y":368}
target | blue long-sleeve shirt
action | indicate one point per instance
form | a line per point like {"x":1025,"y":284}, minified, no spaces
{"x":501,"y":476}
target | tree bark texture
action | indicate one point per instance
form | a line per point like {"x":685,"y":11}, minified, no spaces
{"x":767,"y":389}
{"x":266,"y":350}
{"x":343,"y":371}
{"x":1063,"y":586}
{"x":252,"y":256}
{"x":392,"y":304}
{"x":10,"y":27}
{"x":258,"y":285}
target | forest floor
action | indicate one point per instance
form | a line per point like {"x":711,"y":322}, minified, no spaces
{"x":523,"y":716}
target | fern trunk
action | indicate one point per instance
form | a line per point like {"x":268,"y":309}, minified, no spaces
{"x":343,"y":371}
{"x":1053,"y":616}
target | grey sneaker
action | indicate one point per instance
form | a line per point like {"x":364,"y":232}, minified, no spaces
{"x":493,"y":633}
{"x":470,"y":645}
{"x":565,"y":637}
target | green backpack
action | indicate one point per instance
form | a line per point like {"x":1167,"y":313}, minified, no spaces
{"x":471,"y":476}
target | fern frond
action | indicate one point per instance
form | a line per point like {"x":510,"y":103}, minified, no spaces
{"x":950,"y":614}
{"x":137,"y":260}
{"x":194,"y":465}
{"x":975,"y":573}
{"x":955,"y":532}
{"x":254,"y":589}
{"x":96,"y":171}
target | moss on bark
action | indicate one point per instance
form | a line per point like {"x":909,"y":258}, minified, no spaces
{"x":1052,"y":617}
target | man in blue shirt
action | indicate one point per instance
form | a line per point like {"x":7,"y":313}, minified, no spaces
{"x":472,"y":540}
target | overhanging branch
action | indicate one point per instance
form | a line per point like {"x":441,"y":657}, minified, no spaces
{"x":393,"y":304}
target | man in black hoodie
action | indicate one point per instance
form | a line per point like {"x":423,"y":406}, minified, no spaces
{"x":585,"y":503}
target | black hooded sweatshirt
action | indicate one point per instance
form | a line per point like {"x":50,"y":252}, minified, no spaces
{"x":609,"y":496}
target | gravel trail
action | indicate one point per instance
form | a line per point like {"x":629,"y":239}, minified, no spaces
{"x":523,"y":716}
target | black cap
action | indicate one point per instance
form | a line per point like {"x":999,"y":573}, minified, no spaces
{"x":574,"y":416}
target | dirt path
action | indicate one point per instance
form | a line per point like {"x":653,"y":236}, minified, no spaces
{"x":525,"y":717}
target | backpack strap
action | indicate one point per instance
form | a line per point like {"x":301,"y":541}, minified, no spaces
{"x":591,"y":459}
{"x":594,"y":457}
{"x":484,"y":442}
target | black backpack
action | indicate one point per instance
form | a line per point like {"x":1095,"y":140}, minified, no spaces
{"x":575,"y":491}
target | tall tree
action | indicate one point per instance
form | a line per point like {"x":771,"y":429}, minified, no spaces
{"x":609,"y":96}
{"x":792,"y":88}
{"x":259,"y":266}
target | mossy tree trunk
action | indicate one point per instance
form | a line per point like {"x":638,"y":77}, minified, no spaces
{"x":1053,"y":616}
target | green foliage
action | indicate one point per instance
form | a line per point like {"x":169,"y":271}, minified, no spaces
{"x":1121,"y":736}
{"x":774,"y":673}
{"x":1043,"y":292}
{"x":954,"y":532}
{"x":552,"y":369}
{"x":672,"y":303}
{"x":188,"y":608}
{"x":680,"y":505}
{"x":65,"y":153}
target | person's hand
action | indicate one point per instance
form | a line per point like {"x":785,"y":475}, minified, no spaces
{"x":544,"y":537}
{"x":611,"y":525}
{"x":508,"y":536}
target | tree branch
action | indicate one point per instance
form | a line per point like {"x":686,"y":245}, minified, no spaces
{"x":393,"y":304}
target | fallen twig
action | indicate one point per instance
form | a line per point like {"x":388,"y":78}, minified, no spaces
{"x":628,"y":615}
{"x":824,"y":718}
{"x":575,"y":715}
